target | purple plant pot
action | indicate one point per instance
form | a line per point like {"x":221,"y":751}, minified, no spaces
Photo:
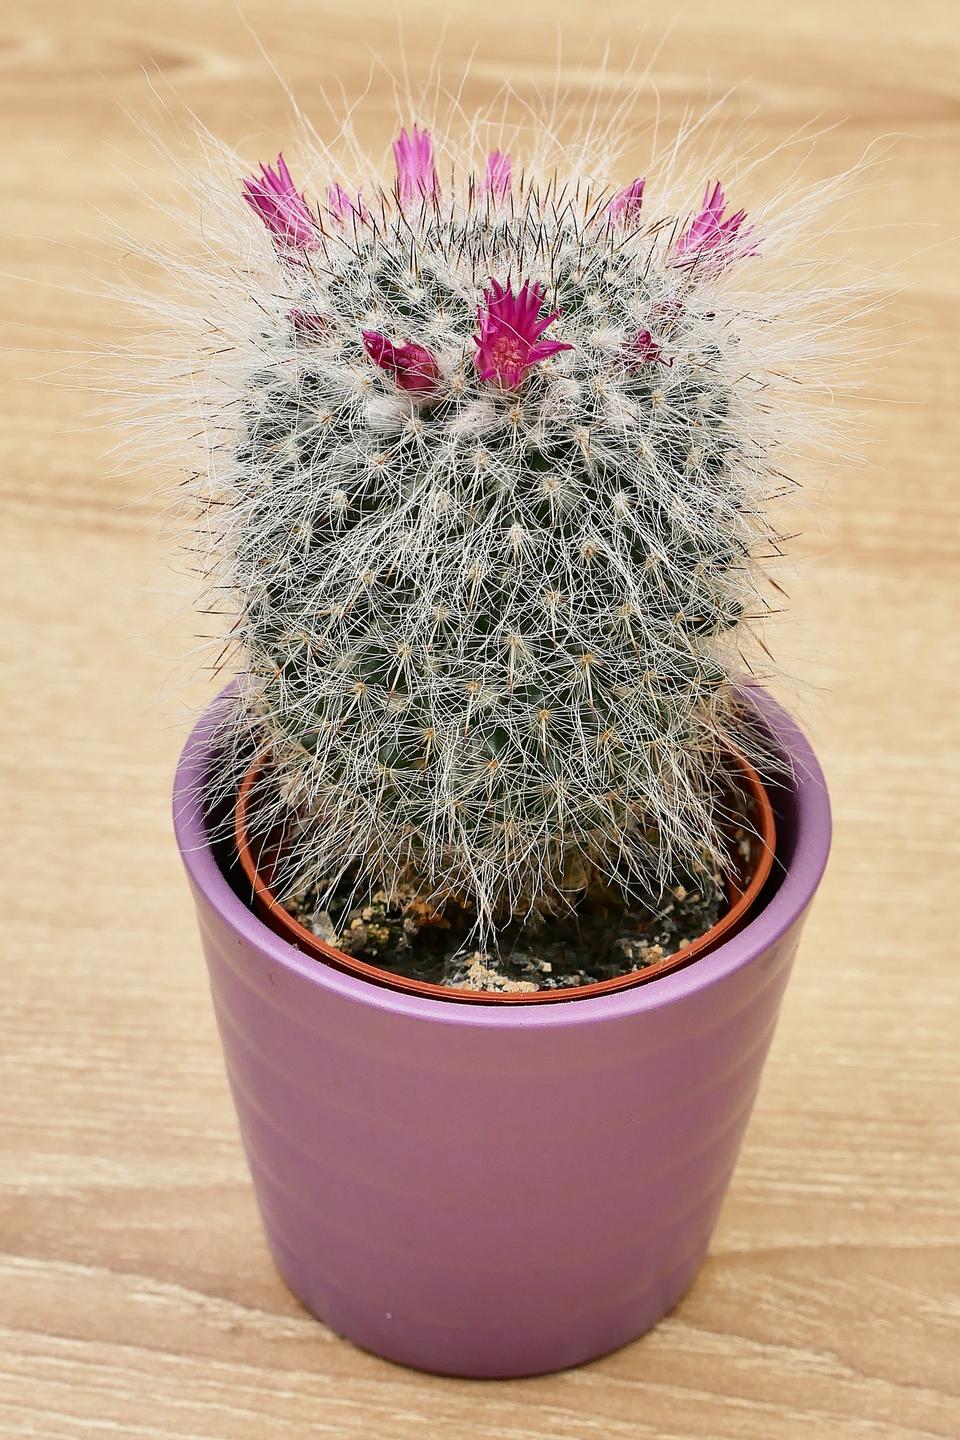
{"x":496,"y":1190}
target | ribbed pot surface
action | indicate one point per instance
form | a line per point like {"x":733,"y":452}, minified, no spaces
{"x":484,"y":1190}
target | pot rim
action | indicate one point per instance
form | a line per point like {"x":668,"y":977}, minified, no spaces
{"x":801,"y":877}
{"x":740,"y":902}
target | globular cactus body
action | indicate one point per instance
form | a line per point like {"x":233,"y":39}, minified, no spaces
{"x":490,"y":518}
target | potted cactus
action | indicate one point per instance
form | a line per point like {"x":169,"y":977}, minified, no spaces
{"x":487,"y":495}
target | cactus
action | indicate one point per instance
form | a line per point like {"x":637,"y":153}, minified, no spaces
{"x":487,"y":496}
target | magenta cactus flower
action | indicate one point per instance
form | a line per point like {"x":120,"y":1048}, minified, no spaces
{"x":308,"y":322}
{"x":416,"y":171}
{"x":667,"y":312}
{"x":509,"y":342}
{"x":413,"y":367}
{"x":626,"y":205}
{"x":710,"y":231}
{"x":281,"y":207}
{"x":644,"y":350}
{"x":498,"y":178}
{"x":342,"y":208}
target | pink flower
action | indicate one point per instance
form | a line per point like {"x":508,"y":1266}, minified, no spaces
{"x":627,"y":203}
{"x":416,"y":172}
{"x":281,"y":207}
{"x":644,"y":350}
{"x":307,"y":322}
{"x":411,"y":366}
{"x":509,"y":343}
{"x":710,"y":231}
{"x":667,"y":312}
{"x":497,"y":183}
{"x":342,"y":209}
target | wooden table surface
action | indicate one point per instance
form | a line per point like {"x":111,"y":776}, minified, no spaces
{"x":136,"y":1294}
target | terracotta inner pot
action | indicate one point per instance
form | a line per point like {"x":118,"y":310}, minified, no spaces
{"x":258,"y":856}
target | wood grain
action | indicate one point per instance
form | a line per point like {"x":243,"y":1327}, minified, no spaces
{"x":136,"y":1295}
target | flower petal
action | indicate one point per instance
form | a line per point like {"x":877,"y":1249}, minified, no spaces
{"x":282,"y":208}
{"x":626,"y":205}
{"x":416,"y":171}
{"x":710,"y":232}
{"x":509,"y":329}
{"x":411,"y":366}
{"x":498,"y":177}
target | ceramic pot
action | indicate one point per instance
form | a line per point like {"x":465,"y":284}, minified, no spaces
{"x":487,"y":1190}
